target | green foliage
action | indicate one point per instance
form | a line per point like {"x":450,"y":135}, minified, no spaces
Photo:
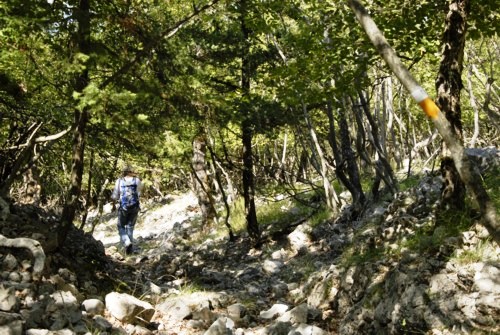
{"x":352,"y":255}
{"x":320,"y":217}
{"x":237,"y":218}
{"x":409,"y":182}
{"x":492,"y":185}
{"x":449,"y":223}
{"x":152,"y":88}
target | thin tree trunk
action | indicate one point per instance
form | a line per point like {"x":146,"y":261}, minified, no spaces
{"x":383,"y":166}
{"x":247,"y":134}
{"x":100,"y":206}
{"x":222,"y":191}
{"x":281,"y":174}
{"x":337,"y":154}
{"x":345,"y":158}
{"x":473,"y":104}
{"x":408,"y":137}
{"x":395,"y":147}
{"x":331,"y":197}
{"x":381,"y":119}
{"x":350,"y":159}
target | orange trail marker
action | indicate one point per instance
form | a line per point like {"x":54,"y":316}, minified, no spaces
{"x":430,"y":108}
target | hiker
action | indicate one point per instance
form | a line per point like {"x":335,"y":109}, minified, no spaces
{"x":127,"y":191}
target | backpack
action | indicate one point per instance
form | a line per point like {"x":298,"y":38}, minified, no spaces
{"x":129,"y":196}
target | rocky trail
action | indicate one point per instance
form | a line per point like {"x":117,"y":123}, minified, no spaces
{"x":369,"y":276}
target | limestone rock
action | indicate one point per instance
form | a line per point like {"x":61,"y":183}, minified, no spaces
{"x":127,"y":308}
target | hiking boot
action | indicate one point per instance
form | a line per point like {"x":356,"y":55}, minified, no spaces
{"x":129,"y":249}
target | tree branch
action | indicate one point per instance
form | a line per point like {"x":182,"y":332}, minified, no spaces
{"x":149,"y":46}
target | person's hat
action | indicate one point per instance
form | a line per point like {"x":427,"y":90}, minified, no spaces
{"x":128,"y":169}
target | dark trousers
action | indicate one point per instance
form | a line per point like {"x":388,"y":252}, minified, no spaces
{"x":126,"y":223}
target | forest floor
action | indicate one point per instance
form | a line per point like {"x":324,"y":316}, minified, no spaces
{"x":176,"y":256}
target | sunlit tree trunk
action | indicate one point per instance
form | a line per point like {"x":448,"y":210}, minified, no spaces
{"x":201,"y":182}
{"x":394,"y":146}
{"x":474,"y":106}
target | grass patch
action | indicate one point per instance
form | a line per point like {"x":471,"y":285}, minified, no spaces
{"x":237,"y":218}
{"x":449,"y":223}
{"x":321,"y":216}
{"x":482,"y":252}
{"x":492,"y":184}
{"x":359,"y":251}
{"x":352,"y":256}
{"x":271,"y":213}
{"x":409,"y":182}
{"x":190,"y":288}
{"x":283,"y":211}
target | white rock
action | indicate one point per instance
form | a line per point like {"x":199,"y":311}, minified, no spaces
{"x":296,"y":316}
{"x":93,"y":306}
{"x":304,"y":329}
{"x":275,"y":310}
{"x":271,"y":266}
{"x":126,"y":308}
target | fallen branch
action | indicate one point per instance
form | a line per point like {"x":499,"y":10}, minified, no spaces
{"x":30,"y":244}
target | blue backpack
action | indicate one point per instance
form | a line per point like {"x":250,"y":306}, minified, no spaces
{"x":129,"y":196}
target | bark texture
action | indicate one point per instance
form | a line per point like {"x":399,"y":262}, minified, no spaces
{"x":448,"y":87}
{"x":201,"y":183}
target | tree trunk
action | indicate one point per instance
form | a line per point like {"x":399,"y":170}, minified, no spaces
{"x":217,"y":166}
{"x":345,"y":158}
{"x":201,"y":183}
{"x":100,"y":206}
{"x":332,"y":200}
{"x":473,"y":104}
{"x":448,"y":87}
{"x":82,"y":13}
{"x":248,"y":182}
{"x":88,"y":195}
{"x":350,"y":160}
{"x":247,"y":134}
{"x":388,"y":106}
{"x":382,"y":165}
